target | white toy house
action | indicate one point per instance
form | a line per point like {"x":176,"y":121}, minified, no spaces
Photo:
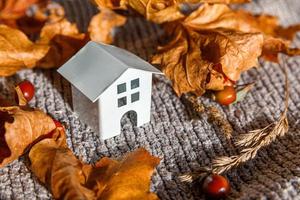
{"x":107,"y":83}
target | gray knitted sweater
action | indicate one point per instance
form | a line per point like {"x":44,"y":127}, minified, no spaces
{"x":177,"y":134}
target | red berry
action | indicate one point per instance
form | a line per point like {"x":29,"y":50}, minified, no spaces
{"x":27,"y":89}
{"x":226,"y":96}
{"x":215,"y":187}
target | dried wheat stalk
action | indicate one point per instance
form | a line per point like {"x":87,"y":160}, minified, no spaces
{"x":256,"y":139}
{"x":215,"y":116}
{"x":253,"y":141}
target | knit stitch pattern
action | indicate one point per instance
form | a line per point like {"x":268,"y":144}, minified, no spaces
{"x":182,"y":138}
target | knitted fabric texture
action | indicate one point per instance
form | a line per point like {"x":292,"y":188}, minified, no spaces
{"x":177,"y":134}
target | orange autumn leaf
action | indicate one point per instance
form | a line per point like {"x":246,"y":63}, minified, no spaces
{"x":54,"y":164}
{"x":276,"y":38}
{"x":233,"y":39}
{"x":19,"y":129}
{"x":128,"y":178}
{"x":189,"y":59}
{"x":273,"y":46}
{"x":181,"y":62}
{"x":17,"y":51}
{"x":11,"y":10}
{"x":102,"y":26}
{"x":64,"y":40}
{"x":59,"y":40}
{"x":159,"y":11}
{"x":62,"y":36}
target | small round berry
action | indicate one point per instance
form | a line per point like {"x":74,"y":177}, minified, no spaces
{"x":27,"y":89}
{"x":215,"y":187}
{"x":226,"y":96}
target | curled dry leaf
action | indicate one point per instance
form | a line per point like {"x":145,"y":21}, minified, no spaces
{"x":188,"y":61}
{"x":102,"y":25}
{"x":11,"y":10}
{"x":18,"y":129}
{"x":276,"y":38}
{"x":55,"y":165}
{"x":181,"y":62}
{"x":59,"y":40}
{"x":160,"y":11}
{"x":17,"y":51}
{"x":62,"y":36}
{"x":128,"y":178}
{"x":214,"y":34}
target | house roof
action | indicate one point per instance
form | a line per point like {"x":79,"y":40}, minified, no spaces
{"x":96,"y":66}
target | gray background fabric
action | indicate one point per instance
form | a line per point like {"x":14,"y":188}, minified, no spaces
{"x":182,"y":138}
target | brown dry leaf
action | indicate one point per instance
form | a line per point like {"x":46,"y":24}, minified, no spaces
{"x":11,"y":10}
{"x":273,"y":46}
{"x":19,"y":129}
{"x":188,"y":60}
{"x":62,"y":36}
{"x":128,"y":178}
{"x":276,"y":38}
{"x":102,"y":25}
{"x":233,"y":39}
{"x":182,"y":62}
{"x":160,"y":11}
{"x":55,"y":165}
{"x":17,"y":51}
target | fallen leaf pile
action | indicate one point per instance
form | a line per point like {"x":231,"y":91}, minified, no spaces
{"x":209,"y":46}
{"x":204,"y":34}
{"x":56,"y":39}
{"x":213,"y":35}
{"x":32,"y":133}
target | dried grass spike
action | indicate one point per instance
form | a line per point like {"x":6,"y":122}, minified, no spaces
{"x":256,"y":139}
{"x":215,"y":116}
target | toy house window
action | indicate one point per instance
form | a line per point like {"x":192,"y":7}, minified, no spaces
{"x":122,"y":101}
{"x":135,"y":83}
{"x":135,"y":97}
{"x":121,"y":88}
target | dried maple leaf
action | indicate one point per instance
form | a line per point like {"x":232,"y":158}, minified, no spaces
{"x":160,"y":11}
{"x":59,"y":40}
{"x":62,"y":36}
{"x":276,"y":38}
{"x":189,"y":59}
{"x":55,"y":165}
{"x":19,"y":129}
{"x":125,"y":179}
{"x":226,"y":37}
{"x":181,"y":62}
{"x":17,"y":51}
{"x":102,"y":25}
{"x":11,"y":10}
